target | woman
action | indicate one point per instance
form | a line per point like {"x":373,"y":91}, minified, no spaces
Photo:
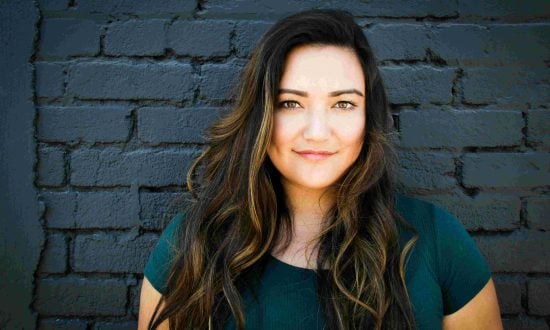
{"x":295,"y":222}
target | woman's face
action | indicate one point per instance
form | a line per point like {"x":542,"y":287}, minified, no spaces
{"x":320,"y":116}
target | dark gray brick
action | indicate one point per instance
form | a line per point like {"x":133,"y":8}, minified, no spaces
{"x":134,"y":298}
{"x":112,"y":253}
{"x":69,"y":37}
{"x":461,"y":128}
{"x":514,"y":252}
{"x":418,"y":84}
{"x":54,"y":258}
{"x":157,"y":125}
{"x":269,"y":9}
{"x":122,"y":80}
{"x":538,"y":291}
{"x":112,"y":166}
{"x":85,"y":123}
{"x":107,"y":210}
{"x":248,"y":9}
{"x":62,"y":324}
{"x":81,"y":297}
{"x":247,"y":34}
{"x":157,"y":209}
{"x":218,"y":80}
{"x":461,"y":43}
{"x":51,"y":166}
{"x":399,"y":41}
{"x":200,"y":38}
{"x":538,"y":212}
{"x":521,"y":43}
{"x":136,"y":37}
{"x":538,"y":126}
{"x":399,"y":8}
{"x":51,"y":5}
{"x":487,"y":211}
{"x":528,"y":169}
{"x":503,"y":8}
{"x":50,"y":79}
{"x":145,"y":8}
{"x":509,"y":295}
{"x":425,"y":170}
{"x":523,"y":322}
{"x":121,"y":325}
{"x":117,"y":210}
{"x":512,"y":85}
{"x":60,"y":209}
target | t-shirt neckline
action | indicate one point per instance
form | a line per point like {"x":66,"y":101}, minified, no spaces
{"x":289,"y":266}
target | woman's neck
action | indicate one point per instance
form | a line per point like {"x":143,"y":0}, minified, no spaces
{"x":308,"y":208}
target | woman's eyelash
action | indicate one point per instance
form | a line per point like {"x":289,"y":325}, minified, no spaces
{"x":351,"y":105}
{"x":284,"y":104}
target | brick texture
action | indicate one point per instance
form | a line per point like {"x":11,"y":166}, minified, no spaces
{"x":94,"y":124}
{"x":506,"y":169}
{"x":81,"y":297}
{"x":124,"y":90}
{"x":509,"y":293}
{"x":111,"y":253}
{"x":51,"y":166}
{"x":54,"y":259}
{"x":538,"y":123}
{"x":50,"y":78}
{"x":66,"y":37}
{"x":418,"y":84}
{"x":114,"y":167}
{"x":514,"y":252}
{"x":127,"y":81}
{"x":514,"y":85}
{"x":486,"y":211}
{"x":136,"y":38}
{"x":538,"y":210}
{"x":157,"y":125}
{"x":461,"y":128}
{"x":201,"y":38}
{"x":538,"y":291}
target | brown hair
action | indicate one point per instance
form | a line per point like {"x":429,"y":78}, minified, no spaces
{"x":238,"y":207}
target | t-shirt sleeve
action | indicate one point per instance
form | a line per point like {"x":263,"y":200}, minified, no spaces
{"x":160,"y":260}
{"x":462,"y":269}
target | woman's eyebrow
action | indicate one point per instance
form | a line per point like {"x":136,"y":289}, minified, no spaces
{"x":335,"y":93}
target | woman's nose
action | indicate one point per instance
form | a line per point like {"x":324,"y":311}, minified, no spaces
{"x":317,"y":125}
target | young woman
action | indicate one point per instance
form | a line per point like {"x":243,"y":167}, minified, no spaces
{"x":295,"y":222}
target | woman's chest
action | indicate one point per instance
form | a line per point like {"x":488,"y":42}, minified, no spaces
{"x":286,"y":297}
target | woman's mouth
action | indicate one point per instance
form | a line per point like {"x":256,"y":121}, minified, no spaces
{"x":315,"y":154}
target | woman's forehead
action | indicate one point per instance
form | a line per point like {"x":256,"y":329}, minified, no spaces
{"x":323,"y":68}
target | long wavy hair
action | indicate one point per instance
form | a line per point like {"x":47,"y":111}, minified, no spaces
{"x":238,"y":208}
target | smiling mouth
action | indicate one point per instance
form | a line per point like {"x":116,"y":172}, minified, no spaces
{"x":315,"y":155}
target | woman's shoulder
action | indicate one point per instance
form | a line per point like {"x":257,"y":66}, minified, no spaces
{"x":161,"y":257}
{"x":425,"y":216}
{"x":431,"y":224}
{"x":459,"y":266}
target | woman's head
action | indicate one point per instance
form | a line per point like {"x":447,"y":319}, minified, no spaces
{"x":319,"y":116}
{"x":239,"y":209}
{"x":262,"y":129}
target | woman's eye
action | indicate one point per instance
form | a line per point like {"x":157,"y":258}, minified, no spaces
{"x":289,"y":104}
{"x":345,"y":105}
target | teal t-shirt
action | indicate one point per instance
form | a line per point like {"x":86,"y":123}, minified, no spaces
{"x":445,"y":270}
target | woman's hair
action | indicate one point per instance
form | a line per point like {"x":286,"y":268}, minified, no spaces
{"x":238,"y":208}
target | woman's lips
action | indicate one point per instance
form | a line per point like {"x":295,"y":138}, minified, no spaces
{"x":315,"y":155}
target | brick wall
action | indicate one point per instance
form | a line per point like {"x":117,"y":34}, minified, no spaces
{"x":123,"y":90}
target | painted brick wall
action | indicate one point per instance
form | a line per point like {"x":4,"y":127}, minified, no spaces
{"x":123,"y":89}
